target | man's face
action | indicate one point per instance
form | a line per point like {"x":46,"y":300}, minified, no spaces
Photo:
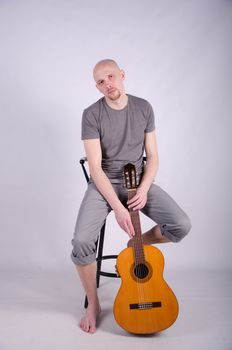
{"x":109,"y":80}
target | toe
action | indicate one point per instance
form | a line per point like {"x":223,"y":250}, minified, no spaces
{"x":92,"y":329}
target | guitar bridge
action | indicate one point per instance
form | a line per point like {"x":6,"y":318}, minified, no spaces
{"x":144,"y":306}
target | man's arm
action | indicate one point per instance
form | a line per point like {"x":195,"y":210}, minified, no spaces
{"x":94,"y":156}
{"x":150,"y":170}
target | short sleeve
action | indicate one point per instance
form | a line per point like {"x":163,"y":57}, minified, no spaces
{"x":89,"y":129}
{"x":150,"y":119}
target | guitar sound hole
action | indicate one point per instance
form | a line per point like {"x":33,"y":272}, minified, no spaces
{"x":141,"y":271}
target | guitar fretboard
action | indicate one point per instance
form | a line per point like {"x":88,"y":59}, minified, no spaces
{"x":138,"y":242}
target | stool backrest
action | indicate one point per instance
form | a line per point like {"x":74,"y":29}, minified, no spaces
{"x":82,"y":162}
{"x":84,"y":159}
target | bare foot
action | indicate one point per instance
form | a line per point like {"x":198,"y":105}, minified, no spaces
{"x":146,"y":237}
{"x":88,"y":321}
{"x":152,"y":236}
{"x":130,"y":243}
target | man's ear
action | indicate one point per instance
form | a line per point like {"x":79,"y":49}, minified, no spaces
{"x":122,"y":74}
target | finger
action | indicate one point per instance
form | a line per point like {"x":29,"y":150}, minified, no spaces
{"x":131,"y":228}
{"x":138,"y":207}
{"x":133,"y":199}
{"x":135,"y":204}
{"x":125,"y":227}
{"x":128,"y":230}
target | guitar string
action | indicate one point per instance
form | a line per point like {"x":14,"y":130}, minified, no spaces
{"x":143,"y":271}
{"x":138,"y":283}
{"x":140,"y":262}
{"x":139,"y":257}
{"x":138,"y":254}
{"x":130,"y":195}
{"x":142,"y":290}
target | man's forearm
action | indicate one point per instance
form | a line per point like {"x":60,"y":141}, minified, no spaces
{"x":105,"y":188}
{"x":150,"y":172}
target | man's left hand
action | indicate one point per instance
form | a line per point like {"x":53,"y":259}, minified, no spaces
{"x":138,"y":201}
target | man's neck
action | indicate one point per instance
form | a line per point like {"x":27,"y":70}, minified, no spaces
{"x":120,"y":103}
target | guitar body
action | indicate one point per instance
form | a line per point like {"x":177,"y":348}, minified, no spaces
{"x":144,"y":304}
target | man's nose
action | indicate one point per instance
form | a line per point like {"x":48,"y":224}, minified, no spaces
{"x":108,"y":84}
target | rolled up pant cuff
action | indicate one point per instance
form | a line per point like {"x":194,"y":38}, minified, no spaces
{"x":81,"y":261}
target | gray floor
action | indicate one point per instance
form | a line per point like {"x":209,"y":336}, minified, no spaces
{"x":40,"y":310}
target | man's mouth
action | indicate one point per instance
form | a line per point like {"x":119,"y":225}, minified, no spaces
{"x":111,"y":91}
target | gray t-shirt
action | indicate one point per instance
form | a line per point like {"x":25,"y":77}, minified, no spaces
{"x":121,"y":133}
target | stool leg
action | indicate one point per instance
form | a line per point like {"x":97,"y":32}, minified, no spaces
{"x":86,"y":302}
{"x":100,"y":252}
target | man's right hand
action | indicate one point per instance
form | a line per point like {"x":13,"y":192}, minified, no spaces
{"x":123,"y":218}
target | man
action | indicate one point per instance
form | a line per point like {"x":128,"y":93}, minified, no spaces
{"x":117,"y":129}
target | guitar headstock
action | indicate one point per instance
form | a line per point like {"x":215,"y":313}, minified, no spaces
{"x":129,"y":176}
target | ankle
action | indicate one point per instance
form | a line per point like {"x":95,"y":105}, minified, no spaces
{"x":93,"y":303}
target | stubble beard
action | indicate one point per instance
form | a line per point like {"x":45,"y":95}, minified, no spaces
{"x":115,"y":95}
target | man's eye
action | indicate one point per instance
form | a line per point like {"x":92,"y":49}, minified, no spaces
{"x":110,"y":76}
{"x":100,"y":82}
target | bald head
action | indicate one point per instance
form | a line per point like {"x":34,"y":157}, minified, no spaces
{"x":103,"y":64}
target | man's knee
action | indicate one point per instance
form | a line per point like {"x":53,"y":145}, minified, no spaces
{"x":177,"y":231}
{"x":83,"y":252}
{"x":184,"y":226}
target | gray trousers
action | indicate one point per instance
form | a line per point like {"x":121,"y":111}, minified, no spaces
{"x":160,"y":207}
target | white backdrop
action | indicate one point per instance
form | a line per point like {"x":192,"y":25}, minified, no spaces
{"x":176,"y":54}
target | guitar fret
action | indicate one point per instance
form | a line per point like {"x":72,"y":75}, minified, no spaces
{"x":138,"y":242}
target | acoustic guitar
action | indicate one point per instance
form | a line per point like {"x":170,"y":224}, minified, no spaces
{"x":144,"y":304}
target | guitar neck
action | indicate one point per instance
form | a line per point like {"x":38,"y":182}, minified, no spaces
{"x":138,"y":242}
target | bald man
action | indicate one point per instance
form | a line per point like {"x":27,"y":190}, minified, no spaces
{"x":117,"y":129}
